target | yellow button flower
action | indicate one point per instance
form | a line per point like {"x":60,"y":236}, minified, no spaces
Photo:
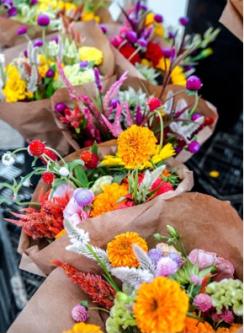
{"x":91,"y":54}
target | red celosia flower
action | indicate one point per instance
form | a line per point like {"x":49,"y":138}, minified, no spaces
{"x":36,"y":148}
{"x":90,"y":159}
{"x":154,"y":53}
{"x":48,"y":177}
{"x":127,"y":51}
{"x":44,"y":223}
{"x":160,"y":187}
{"x":154,"y":103}
{"x":93,"y":285}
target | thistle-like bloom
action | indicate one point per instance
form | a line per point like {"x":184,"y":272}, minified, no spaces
{"x":160,"y":306}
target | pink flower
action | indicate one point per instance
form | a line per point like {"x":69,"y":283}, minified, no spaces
{"x":197,"y":280}
{"x":74,"y":213}
{"x":226,"y":316}
{"x":203,"y":302}
{"x":79,"y":313}
{"x":225,"y":269}
{"x":202,"y":259}
{"x":166,"y":266}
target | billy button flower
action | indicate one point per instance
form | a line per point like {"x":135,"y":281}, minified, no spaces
{"x":48,"y":177}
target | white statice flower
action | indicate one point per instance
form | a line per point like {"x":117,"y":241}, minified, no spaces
{"x":8,"y":159}
{"x":64,"y":172}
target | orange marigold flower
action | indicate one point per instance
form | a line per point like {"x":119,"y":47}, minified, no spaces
{"x":136,"y":146}
{"x":84,"y":328}
{"x":161,"y":306}
{"x":195,"y":326}
{"x":120,"y":251}
{"x":233,"y":329}
{"x":109,"y":199}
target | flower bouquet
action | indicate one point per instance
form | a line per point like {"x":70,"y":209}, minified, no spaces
{"x":179,"y":116}
{"x":161,"y":55}
{"x":13,"y":14}
{"x":175,"y":283}
{"x":31,"y":76}
{"x":126,"y":181}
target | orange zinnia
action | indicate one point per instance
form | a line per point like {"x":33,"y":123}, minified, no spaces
{"x":234,"y":328}
{"x":195,"y":326}
{"x":160,"y":306}
{"x":120,"y":251}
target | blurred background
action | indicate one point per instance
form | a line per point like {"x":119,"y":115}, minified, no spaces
{"x":217,"y":167}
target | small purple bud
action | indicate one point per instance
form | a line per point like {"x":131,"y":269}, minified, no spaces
{"x":188,"y":68}
{"x":60,"y":107}
{"x":97,"y":79}
{"x":168,"y":52}
{"x":43,"y":20}
{"x":139,"y":115}
{"x":184,"y":21}
{"x":158,"y":18}
{"x":131,"y":36}
{"x":103,"y":28}
{"x":193,"y":83}
{"x":142,"y":42}
{"x":171,"y":35}
{"x":22,"y":30}
{"x":143,"y":7}
{"x":196,"y":116}
{"x":84,"y":64}
{"x":147,"y":33}
{"x":38,"y":43}
{"x":50,"y":73}
{"x":79,"y":313}
{"x":55,"y":39}
{"x":33,"y":2}
{"x":194,"y":147}
{"x":12,"y":11}
{"x":26,"y":53}
{"x":83,"y":197}
{"x":114,"y":103}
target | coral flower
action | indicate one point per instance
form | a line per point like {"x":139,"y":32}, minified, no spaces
{"x":160,"y":306}
{"x":233,"y":329}
{"x":84,"y":328}
{"x":136,"y":146}
{"x":109,"y":200}
{"x":120,"y":251}
{"x":195,"y":326}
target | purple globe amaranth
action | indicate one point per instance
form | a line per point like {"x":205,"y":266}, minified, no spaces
{"x":103,"y":28}
{"x":184,"y":21}
{"x":171,"y":35}
{"x":194,"y":147}
{"x":193,"y":83}
{"x":43,"y":20}
{"x":203,"y":302}
{"x":12,"y":11}
{"x":196,"y":116}
{"x":166,"y":267}
{"x":142,"y":42}
{"x":33,"y":2}
{"x":168,"y":52}
{"x":22,"y":30}
{"x":158,"y":18}
{"x":60,"y":107}
{"x":83,"y":197}
{"x":79,"y":313}
{"x":38,"y":43}
{"x":50,"y":73}
{"x":131,"y":36}
{"x":25,"y":53}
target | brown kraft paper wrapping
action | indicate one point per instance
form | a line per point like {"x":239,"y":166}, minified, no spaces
{"x":37,"y":255}
{"x":232,"y":17}
{"x":203,"y":222}
{"x":204,"y":107}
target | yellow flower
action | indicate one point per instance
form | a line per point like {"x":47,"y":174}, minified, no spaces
{"x":120,"y":251}
{"x":92,"y":54}
{"x":84,"y":328}
{"x":146,"y":62}
{"x":108,"y":200}
{"x":160,"y":306}
{"x":110,"y":161}
{"x":89,"y":16}
{"x":136,"y":146}
{"x":158,"y":30}
{"x":163,"y":153}
{"x":195,"y":326}
{"x":15,"y":87}
{"x":177,"y":76}
{"x":149,"y":20}
{"x":43,"y":65}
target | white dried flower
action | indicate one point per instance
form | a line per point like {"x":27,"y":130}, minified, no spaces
{"x":8,"y":159}
{"x":64,"y":172}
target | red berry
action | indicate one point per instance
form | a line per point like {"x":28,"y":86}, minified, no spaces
{"x":154,"y":103}
{"x":208,"y":121}
{"x":48,"y":177}
{"x":91,"y":160}
{"x":36,"y":148}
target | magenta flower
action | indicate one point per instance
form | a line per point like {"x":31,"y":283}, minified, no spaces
{"x":203,"y":302}
{"x":166,"y":266}
{"x":193,"y":83}
{"x":225,"y":269}
{"x":22,"y":30}
{"x":194,"y":147}
{"x":43,"y":20}
{"x":202,"y":259}
{"x":158,"y":18}
{"x":79,"y":313}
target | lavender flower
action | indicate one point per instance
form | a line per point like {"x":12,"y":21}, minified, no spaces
{"x":155,"y":255}
{"x":84,"y":64}
{"x":166,"y":266}
{"x":83,"y":197}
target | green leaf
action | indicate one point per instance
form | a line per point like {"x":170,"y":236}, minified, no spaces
{"x":94,"y":148}
{"x":84,"y":303}
{"x":74,"y":164}
{"x":81,"y":176}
